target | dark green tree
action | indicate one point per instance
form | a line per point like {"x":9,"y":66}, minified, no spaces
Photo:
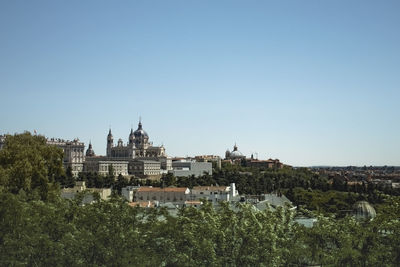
{"x":28,"y":163}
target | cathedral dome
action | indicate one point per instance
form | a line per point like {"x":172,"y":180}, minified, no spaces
{"x":236,"y":154}
{"x":363,"y":210}
{"x":140,"y":133}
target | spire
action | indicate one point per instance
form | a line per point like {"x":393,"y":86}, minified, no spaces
{"x":140,"y":123}
{"x":235,"y":147}
{"x":89,"y":151}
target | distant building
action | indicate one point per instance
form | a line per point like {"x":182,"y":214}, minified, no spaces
{"x":138,"y":157}
{"x":209,"y":158}
{"x":184,"y":168}
{"x":74,"y":156}
{"x":267,"y":164}
{"x":145,"y":168}
{"x":167,"y":194}
{"x":235,"y":156}
{"x":102,"y":165}
{"x":214,"y":193}
{"x":138,"y":146}
{"x":70,"y":193}
{"x":128,"y":192}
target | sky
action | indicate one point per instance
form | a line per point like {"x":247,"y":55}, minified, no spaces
{"x":307,"y":82}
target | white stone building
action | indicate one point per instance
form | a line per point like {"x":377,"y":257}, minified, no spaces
{"x":74,"y":156}
{"x":214,"y":193}
{"x":102,"y":165}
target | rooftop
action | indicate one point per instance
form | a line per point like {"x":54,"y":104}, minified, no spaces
{"x":159,"y":189}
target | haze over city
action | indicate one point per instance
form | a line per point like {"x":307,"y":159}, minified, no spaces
{"x":309,"y":83}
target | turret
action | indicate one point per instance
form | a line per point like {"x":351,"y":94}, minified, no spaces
{"x":131,"y":138}
{"x":227,"y":154}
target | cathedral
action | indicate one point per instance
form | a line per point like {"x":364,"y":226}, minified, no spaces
{"x":138,"y":146}
{"x":137,"y":157}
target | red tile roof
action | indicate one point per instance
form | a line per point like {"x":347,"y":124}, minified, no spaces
{"x":210,"y":188}
{"x":159,"y":189}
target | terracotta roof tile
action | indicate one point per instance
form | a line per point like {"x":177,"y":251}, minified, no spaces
{"x":210,"y":188}
{"x":159,"y":189}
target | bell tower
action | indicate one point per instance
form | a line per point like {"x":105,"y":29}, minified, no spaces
{"x":110,"y":143}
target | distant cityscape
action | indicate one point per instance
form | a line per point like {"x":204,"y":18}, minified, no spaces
{"x":138,"y":158}
{"x":141,"y":159}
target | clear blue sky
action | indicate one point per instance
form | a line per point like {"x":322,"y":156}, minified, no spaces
{"x":308,"y":82}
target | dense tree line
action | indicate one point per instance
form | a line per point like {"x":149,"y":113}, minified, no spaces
{"x":111,"y":233}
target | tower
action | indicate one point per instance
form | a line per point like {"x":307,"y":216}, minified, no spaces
{"x":131,"y":138}
{"x":110,"y":143}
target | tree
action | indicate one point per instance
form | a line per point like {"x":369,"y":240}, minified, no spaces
{"x":120,"y":183}
{"x":28,"y":163}
{"x":169,"y":179}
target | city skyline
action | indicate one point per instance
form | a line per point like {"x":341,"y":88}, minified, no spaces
{"x":308,"y":83}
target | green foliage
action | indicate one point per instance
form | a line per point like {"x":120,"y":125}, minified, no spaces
{"x":28,"y":164}
{"x":254,"y":181}
{"x":111,"y":233}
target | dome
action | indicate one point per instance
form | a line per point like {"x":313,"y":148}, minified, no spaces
{"x":363,"y":210}
{"x":236,"y":154}
{"x":140,"y":133}
{"x":90,"y":151}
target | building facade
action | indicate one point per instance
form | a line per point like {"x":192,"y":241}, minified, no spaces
{"x":145,"y":168}
{"x":215,"y":193}
{"x":181,"y":168}
{"x":167,"y":194}
{"x":74,"y":156}
{"x":102,"y":166}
